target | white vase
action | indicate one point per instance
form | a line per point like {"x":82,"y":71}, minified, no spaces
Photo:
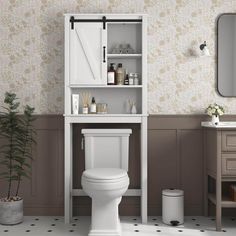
{"x":133,"y":109}
{"x":215,"y":120}
{"x":11,"y":213}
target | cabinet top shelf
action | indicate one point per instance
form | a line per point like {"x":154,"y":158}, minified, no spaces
{"x":105,"y":14}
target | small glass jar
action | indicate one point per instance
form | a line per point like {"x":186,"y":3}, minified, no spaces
{"x":101,"y":108}
{"x":131,"y":79}
{"x":85,"y":109}
{"x":136,"y":80}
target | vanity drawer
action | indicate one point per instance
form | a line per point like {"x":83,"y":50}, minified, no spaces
{"x":229,"y":164}
{"x":228,"y":141}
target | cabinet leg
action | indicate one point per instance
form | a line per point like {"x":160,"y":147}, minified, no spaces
{"x":206,"y":211}
{"x":206,"y":202}
{"x":218,"y":220}
{"x":218,"y":212}
{"x":218,"y":208}
{"x":218,"y":184}
{"x":68,"y":173}
{"x":144,"y":170}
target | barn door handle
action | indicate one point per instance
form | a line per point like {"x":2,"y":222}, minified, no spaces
{"x":104,"y":54}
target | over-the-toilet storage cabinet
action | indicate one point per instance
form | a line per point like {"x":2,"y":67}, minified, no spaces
{"x":89,"y":40}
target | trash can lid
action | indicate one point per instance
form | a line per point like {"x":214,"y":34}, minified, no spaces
{"x":172,"y":192}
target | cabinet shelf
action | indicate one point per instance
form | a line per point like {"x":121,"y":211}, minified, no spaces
{"x":105,"y":86}
{"x":106,"y":115}
{"x":225,"y":203}
{"x":106,"y":118}
{"x":111,"y":55}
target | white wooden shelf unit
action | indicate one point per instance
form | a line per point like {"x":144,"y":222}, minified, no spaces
{"x":89,"y":40}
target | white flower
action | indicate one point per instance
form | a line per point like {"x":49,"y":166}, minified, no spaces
{"x":221,"y":113}
{"x":215,"y":109}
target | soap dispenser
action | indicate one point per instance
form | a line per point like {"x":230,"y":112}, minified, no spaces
{"x":93,"y":106}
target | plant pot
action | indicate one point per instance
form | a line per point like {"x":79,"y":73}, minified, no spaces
{"x":11,"y":213}
{"x":215,"y":120}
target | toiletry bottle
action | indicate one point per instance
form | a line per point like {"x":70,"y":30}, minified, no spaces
{"x":120,"y":75}
{"x":126,"y":77}
{"x":93,"y":107}
{"x":111,"y":75}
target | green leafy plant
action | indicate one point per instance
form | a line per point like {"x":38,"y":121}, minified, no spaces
{"x":18,"y":136}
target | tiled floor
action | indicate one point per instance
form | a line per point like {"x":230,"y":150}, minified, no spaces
{"x":53,"y":226}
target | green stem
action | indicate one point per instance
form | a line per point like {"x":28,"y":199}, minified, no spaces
{"x":10,"y":168}
{"x":23,"y":154}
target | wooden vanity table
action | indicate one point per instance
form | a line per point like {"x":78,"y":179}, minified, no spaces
{"x":220,"y":165}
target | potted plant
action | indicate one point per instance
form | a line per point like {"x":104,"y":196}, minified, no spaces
{"x":215,"y":111}
{"x":17,"y":133}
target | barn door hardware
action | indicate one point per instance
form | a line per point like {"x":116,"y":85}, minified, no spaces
{"x":104,"y":20}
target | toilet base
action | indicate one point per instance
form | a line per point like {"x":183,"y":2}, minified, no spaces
{"x":104,"y":233}
{"x":105,"y":218}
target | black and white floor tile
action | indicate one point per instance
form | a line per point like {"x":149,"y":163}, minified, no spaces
{"x":52,"y":226}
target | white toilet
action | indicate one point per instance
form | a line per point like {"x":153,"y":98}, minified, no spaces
{"x":105,"y":177}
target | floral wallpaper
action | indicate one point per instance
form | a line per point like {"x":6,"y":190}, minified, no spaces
{"x":179,"y":81}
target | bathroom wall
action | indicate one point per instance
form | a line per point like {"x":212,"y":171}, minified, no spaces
{"x":179,"y":82}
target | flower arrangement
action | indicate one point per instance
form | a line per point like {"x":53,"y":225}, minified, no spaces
{"x":215,"y":110}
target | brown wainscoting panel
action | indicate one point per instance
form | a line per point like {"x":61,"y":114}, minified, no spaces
{"x":191,"y":170}
{"x":162,"y":162}
{"x":43,"y":193}
{"x":175,"y":160}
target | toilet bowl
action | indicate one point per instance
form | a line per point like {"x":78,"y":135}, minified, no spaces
{"x":105,"y":186}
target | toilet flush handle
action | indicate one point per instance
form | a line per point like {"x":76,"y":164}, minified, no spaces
{"x":82,"y":144}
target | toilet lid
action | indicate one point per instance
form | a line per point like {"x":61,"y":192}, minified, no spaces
{"x":104,"y":173}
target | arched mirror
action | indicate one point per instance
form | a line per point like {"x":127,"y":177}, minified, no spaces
{"x":226,"y":47}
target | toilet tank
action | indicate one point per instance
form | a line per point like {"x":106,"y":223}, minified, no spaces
{"x":106,"y":148}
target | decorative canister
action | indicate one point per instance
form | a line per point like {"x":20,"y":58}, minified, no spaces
{"x":136,"y":80}
{"x":101,"y":108}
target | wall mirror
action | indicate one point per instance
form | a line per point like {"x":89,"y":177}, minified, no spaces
{"x":226,"y":81}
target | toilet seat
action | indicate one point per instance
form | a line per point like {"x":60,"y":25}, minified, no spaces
{"x":105,"y":179}
{"x":104,"y":175}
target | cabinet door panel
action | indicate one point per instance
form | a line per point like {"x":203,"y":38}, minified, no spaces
{"x":229,"y":164}
{"x":87,"y":66}
{"x":228,"y":141}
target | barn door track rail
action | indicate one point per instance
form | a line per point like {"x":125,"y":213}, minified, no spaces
{"x":104,"y":20}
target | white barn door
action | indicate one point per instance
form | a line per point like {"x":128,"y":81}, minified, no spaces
{"x":88,"y":62}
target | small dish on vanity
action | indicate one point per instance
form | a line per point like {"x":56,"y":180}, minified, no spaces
{"x":221,"y":124}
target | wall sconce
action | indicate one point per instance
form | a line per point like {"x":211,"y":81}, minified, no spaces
{"x":204,"y":49}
